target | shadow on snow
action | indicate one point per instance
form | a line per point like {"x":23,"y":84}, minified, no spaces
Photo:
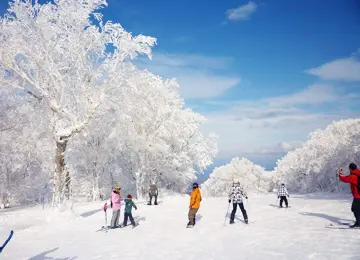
{"x":43,"y":256}
{"x":89,"y":213}
{"x":333,"y":219}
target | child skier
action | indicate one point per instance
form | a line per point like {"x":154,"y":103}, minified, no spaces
{"x":282,"y":194}
{"x":195,"y":200}
{"x":115,"y":205}
{"x":128,"y":207}
{"x":236,"y":194}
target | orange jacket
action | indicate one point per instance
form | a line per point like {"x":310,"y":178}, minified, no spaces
{"x":195,"y":199}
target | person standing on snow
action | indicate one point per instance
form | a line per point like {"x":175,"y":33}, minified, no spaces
{"x":354,"y":180}
{"x":115,"y":205}
{"x":236,"y":194}
{"x":129,"y":204}
{"x":195,"y":200}
{"x":282,"y":194}
{"x":153,"y":192}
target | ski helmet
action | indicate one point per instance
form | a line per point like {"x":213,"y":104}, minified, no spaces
{"x":117,"y":187}
{"x":282,"y":184}
{"x":195,"y":185}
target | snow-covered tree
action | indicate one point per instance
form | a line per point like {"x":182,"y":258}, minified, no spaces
{"x":251,"y":177}
{"x":160,"y":139}
{"x":24,"y":154}
{"x":105,"y":120}
{"x":58,"y":53}
{"x":315,"y":166}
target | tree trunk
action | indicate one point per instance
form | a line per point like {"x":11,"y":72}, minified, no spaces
{"x":61,"y":190}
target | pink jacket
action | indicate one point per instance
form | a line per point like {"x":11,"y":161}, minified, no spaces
{"x":116,"y":201}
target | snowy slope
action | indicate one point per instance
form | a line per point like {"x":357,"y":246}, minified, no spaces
{"x":298,"y":232}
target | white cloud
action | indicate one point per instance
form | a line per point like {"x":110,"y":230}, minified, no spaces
{"x":314,"y":94}
{"x":242,"y":12}
{"x":347,"y":69}
{"x":199,"y":76}
{"x":271,"y":126}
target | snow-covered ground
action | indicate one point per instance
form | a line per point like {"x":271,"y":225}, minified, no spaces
{"x":299,"y":232}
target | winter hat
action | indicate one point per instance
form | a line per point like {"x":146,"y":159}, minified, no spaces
{"x":129,"y":196}
{"x":195,"y":185}
{"x":352,"y":166}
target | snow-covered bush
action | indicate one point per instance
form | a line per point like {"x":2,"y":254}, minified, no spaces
{"x":315,"y":166}
{"x":251,"y":176}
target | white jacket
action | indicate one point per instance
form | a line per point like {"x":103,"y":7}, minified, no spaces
{"x":236,"y":194}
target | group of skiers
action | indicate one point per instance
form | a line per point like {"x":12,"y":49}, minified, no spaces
{"x":115,"y":203}
{"x":236,"y":196}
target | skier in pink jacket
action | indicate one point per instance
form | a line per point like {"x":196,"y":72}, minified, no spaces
{"x":116,"y":205}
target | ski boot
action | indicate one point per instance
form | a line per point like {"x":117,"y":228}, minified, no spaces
{"x":246,"y":221}
{"x":356,"y":225}
{"x":189,"y":225}
{"x":231,"y":222}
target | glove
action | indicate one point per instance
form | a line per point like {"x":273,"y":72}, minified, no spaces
{"x":246,"y":197}
{"x":278,"y":197}
{"x":229,"y":201}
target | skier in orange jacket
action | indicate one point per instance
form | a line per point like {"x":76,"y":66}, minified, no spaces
{"x":195,"y":200}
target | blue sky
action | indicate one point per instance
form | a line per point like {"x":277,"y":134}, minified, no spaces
{"x":261,"y":71}
{"x":264,"y":73}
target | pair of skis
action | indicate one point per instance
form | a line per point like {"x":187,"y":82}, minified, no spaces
{"x":6,"y":241}
{"x":106,"y":228}
{"x":342,"y":225}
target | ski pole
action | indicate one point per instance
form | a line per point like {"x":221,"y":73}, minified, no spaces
{"x":227,"y":212}
{"x":248,"y":204}
{"x":105,"y":208}
{"x":7,"y":241}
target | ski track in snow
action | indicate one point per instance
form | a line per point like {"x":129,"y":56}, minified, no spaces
{"x":295,"y":233}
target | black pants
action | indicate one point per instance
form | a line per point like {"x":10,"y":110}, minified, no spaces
{"x":151,"y":196}
{"x":241,"y":205}
{"x":355,"y":208}
{"x":283,"y":198}
{"x":126,"y":216}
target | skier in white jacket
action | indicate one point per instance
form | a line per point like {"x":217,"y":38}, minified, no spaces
{"x":236,"y":195}
{"x":282,"y":194}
